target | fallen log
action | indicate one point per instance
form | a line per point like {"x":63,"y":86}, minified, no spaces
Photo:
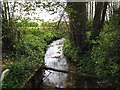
{"x":71,"y":72}
{"x":57,"y":70}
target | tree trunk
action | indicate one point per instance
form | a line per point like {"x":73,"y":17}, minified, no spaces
{"x":87,"y":9}
{"x":78,"y":18}
{"x":8,"y":11}
{"x":13,"y":9}
{"x":5,"y":10}
{"x":103,"y":15}
{"x":96,"y":22}
{"x":7,"y":29}
{"x":92,"y":10}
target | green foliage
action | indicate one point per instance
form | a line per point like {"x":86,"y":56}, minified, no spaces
{"x":28,"y":40}
{"x":84,"y":62}
{"x":19,"y":72}
{"x":30,"y":51}
{"x":89,"y":24}
{"x":9,"y":29}
{"x":103,"y":59}
{"x":31,"y":45}
{"x":33,"y":24}
{"x":54,"y":26}
{"x":70,"y":52}
{"x":27,"y":23}
{"x":106,"y":55}
{"x":48,"y":24}
{"x":47,"y":37}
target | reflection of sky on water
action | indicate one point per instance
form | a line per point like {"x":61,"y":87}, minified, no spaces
{"x":54,"y":58}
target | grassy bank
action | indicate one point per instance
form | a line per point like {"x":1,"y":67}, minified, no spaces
{"x":28,"y":53}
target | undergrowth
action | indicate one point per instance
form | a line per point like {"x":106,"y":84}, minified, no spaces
{"x":29,"y":52}
{"x":103,"y":59}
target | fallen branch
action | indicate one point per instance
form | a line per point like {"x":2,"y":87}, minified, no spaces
{"x":53,"y":69}
{"x":71,"y":72}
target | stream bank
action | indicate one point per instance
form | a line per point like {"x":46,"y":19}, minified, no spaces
{"x":56,"y":72}
{"x":55,"y":58}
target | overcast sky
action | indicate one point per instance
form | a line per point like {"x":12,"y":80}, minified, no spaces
{"x":45,"y":15}
{"x":41,"y":13}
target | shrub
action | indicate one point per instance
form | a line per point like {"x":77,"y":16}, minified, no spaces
{"x":30,"y":51}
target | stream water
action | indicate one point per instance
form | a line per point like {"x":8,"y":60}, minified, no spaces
{"x":55,"y":58}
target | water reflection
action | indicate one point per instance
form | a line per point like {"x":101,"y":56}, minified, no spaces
{"x":54,"y":58}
